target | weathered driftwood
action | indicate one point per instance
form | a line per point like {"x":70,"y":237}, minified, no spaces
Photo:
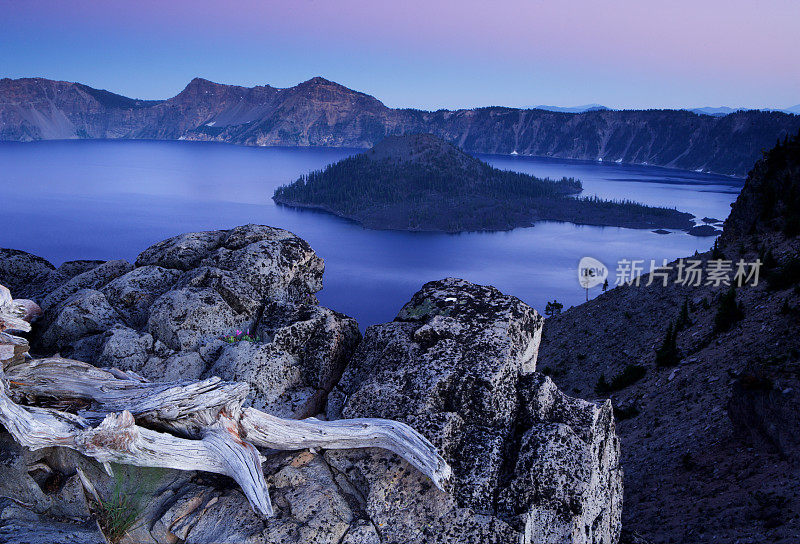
{"x":16,"y":314}
{"x":268,"y":431}
{"x":180,"y":407}
{"x":118,"y":439}
{"x":125,"y":419}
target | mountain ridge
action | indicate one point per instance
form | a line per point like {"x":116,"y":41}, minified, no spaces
{"x":320,"y":112}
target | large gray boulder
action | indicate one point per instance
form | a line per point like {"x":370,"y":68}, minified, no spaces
{"x":531,"y":464}
{"x":83,"y":314}
{"x":135,"y":292}
{"x":278,"y":264}
{"x":20,"y":270}
{"x":94,"y":278}
{"x":458,"y":363}
{"x":166,"y":317}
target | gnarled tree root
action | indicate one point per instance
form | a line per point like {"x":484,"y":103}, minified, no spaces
{"x":187,"y":426}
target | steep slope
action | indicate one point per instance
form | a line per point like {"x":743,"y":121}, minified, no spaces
{"x":709,"y":436}
{"x":41,"y":109}
{"x":316,"y":112}
{"x":422,"y":183}
{"x":321,"y":112}
{"x":205,"y":104}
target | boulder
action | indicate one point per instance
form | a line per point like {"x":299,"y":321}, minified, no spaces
{"x":184,"y":366}
{"x":133,"y":293}
{"x":568,"y":459}
{"x":94,"y":278}
{"x":182,"y":252}
{"x":84,"y":313}
{"x":182,"y":318}
{"x":275,"y":262}
{"x":125,"y":348}
{"x":164,"y":317}
{"x":19,"y":271}
{"x":531,"y":464}
{"x":458,"y":363}
{"x":449,"y":366}
{"x":303,"y":354}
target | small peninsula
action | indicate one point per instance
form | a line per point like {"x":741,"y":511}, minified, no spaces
{"x":421,"y":183}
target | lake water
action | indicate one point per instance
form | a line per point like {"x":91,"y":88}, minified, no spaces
{"x":68,"y":200}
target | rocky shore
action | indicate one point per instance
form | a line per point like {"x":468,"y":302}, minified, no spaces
{"x":459,"y":364}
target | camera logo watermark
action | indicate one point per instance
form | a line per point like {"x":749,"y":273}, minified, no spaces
{"x":591,"y":272}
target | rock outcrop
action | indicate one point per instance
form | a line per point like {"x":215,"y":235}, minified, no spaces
{"x":166,"y":317}
{"x":530,"y":464}
{"x":459,"y":363}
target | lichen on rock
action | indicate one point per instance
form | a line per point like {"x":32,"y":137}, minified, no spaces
{"x":530,"y":464}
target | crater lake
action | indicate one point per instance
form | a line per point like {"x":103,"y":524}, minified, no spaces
{"x":111,"y":199}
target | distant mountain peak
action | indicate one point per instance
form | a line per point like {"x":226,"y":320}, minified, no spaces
{"x":572,"y":109}
{"x":321,"y":112}
{"x":722,"y":111}
{"x":319,"y":80}
{"x":200,"y":82}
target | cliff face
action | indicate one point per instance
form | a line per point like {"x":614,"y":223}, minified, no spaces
{"x":770,"y":198}
{"x":319,"y":112}
{"x":719,"y":421}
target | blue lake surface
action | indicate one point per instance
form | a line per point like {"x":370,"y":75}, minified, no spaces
{"x":66,"y":200}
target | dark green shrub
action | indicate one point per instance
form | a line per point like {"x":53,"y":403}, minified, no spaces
{"x":667,"y":354}
{"x":716,"y":252}
{"x":602,"y":385}
{"x":553,"y":308}
{"x":683,"y":318}
{"x":728,"y":313}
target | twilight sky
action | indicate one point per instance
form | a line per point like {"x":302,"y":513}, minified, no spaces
{"x":423,"y":53}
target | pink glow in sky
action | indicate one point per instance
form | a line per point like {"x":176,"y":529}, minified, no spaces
{"x":426,"y":54}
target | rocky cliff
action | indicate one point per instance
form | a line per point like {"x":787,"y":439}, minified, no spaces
{"x":531,"y":464}
{"x":319,"y":112}
{"x":709,"y":430}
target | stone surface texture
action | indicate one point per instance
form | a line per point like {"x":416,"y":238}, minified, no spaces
{"x":458,"y":363}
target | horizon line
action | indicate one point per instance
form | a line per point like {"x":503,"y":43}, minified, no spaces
{"x":556,"y":108}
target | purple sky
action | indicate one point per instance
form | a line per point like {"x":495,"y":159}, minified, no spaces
{"x":428,"y":54}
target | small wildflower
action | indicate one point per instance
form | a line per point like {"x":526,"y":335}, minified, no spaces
{"x":240,"y":336}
